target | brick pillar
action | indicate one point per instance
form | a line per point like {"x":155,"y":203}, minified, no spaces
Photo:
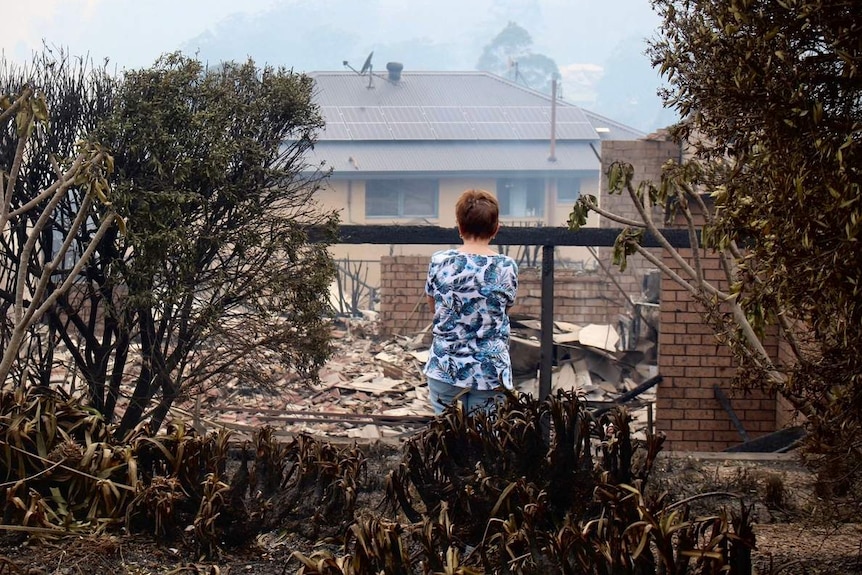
{"x":647,"y":156}
{"x":692,"y":362}
{"x":403,"y":306}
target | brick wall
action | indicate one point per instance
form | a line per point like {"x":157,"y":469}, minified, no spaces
{"x":578,"y":298}
{"x":403,"y":306}
{"x":692,"y":362}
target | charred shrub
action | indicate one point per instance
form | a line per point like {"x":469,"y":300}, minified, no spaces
{"x":549,"y":487}
{"x":317,"y":489}
{"x":487,"y":465}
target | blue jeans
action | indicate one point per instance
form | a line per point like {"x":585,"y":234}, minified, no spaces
{"x":441,"y":394}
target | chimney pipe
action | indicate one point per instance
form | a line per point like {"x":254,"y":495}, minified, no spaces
{"x":394,"y":69}
{"x":553,"y":155}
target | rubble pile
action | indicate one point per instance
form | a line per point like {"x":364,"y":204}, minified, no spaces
{"x":372,"y":388}
{"x":588,"y":361}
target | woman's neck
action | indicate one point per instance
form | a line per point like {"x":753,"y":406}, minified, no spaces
{"x":477,"y":246}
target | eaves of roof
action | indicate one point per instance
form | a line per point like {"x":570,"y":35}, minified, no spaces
{"x":355,"y":159}
{"x":609,"y":129}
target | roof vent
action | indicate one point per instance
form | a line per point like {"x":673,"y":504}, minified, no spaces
{"x":394,"y":69}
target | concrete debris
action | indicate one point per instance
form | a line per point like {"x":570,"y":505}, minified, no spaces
{"x":373,"y":388}
{"x":374,"y":384}
{"x":599,"y":336}
{"x":588,"y":361}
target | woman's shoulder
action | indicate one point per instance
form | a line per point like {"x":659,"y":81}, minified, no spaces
{"x":443,"y":254}
{"x":505,"y":261}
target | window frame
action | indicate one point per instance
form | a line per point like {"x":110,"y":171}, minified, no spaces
{"x":505,"y":203}
{"x":569,"y":200}
{"x":397,"y":185}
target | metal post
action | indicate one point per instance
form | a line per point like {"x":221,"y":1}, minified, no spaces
{"x":547,"y":343}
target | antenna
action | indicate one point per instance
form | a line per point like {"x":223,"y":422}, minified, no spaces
{"x":366,"y":68}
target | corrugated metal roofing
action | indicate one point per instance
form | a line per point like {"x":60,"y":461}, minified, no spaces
{"x":347,"y":158}
{"x":422,"y":89}
{"x":447,"y":106}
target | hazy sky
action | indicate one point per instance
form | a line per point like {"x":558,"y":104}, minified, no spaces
{"x":132,"y":33}
{"x":584,"y":37}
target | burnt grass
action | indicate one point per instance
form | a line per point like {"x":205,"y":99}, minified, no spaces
{"x":267,"y":553}
{"x":796,"y":531}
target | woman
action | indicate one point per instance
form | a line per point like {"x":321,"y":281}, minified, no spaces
{"x":470,"y":290}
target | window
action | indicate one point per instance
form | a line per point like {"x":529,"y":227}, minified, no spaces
{"x":401,"y":198}
{"x":521,"y":197}
{"x":568,"y":190}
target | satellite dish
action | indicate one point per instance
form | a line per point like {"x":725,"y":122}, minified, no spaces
{"x":366,"y":67}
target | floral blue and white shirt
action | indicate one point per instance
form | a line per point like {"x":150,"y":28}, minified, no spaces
{"x":472,"y":294}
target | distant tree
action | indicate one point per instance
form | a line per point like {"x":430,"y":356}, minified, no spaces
{"x":628,"y":90}
{"x":498,"y":55}
{"x":510,"y":55}
{"x":771,"y":100}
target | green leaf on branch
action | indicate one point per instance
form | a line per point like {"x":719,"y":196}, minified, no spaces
{"x":98,"y":188}
{"x":24,"y":123}
{"x":647,"y":189}
{"x":614,"y":178}
{"x":626,"y":245}
{"x":620,"y":176}
{"x":580,"y":211}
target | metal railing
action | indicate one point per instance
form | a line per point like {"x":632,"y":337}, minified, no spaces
{"x":546,"y":237}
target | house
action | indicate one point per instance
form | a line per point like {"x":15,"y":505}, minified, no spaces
{"x":403,"y":145}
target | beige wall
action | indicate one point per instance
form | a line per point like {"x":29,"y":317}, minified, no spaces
{"x":348,"y":198}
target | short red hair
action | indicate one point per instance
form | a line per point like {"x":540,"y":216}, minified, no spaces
{"x":478,"y":214}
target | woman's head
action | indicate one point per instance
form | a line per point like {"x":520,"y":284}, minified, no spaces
{"x":478,"y":214}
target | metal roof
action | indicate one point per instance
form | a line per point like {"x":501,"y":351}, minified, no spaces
{"x":351,"y":157}
{"x":448,"y":106}
{"x":422,"y":89}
